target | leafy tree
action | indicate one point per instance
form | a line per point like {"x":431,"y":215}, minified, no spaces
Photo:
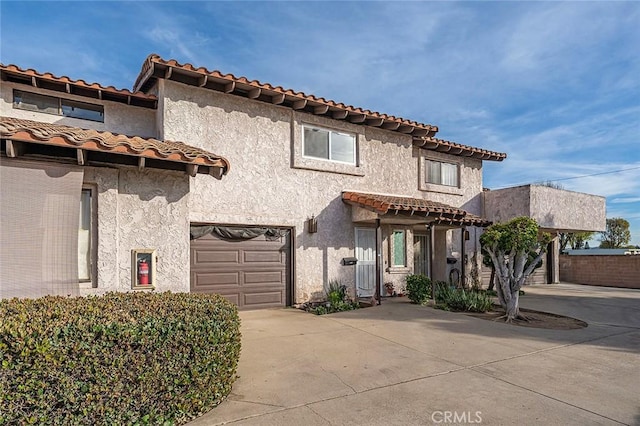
{"x":617,"y":233}
{"x":576,"y":240}
{"x":580,"y":239}
{"x":563,"y":240}
{"x":516,"y":249}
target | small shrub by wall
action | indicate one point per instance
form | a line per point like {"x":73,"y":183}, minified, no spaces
{"x":418,"y":288}
{"x":604,"y":270}
{"x":121,"y":358}
{"x":459,"y":299}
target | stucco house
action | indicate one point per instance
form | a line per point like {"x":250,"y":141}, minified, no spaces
{"x":300,"y":191}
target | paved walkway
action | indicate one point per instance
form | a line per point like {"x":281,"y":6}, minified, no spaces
{"x":401,"y":364}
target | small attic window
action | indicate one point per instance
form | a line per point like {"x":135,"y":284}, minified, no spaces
{"x":57,"y":106}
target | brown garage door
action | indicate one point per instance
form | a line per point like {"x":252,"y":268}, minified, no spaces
{"x":253,"y":273}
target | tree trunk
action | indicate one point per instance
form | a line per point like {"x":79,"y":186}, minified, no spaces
{"x":492,"y":280}
{"x":512,"y":307}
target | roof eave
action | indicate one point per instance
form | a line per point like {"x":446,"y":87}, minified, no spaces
{"x":66,"y":85}
{"x":155,"y":68}
{"x":217,"y":169}
{"x":20,"y":136}
{"x":447,"y":147}
{"x":437,"y":214}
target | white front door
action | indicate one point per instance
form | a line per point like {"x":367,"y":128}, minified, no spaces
{"x":366,"y":266}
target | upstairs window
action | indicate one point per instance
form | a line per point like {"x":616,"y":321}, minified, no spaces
{"x":441,"y":173}
{"x":329,"y":145}
{"x":57,"y":106}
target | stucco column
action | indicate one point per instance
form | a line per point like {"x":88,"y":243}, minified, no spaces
{"x":555,"y":257}
{"x":378,"y":261}
{"x":439,"y":272}
{"x":432,"y":257}
{"x":463,"y":259}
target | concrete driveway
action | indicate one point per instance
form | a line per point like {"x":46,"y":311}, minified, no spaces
{"x":404,"y":364}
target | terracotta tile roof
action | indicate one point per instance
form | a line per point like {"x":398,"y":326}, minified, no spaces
{"x":93,"y":140}
{"x":448,"y":147}
{"x":155,"y":67}
{"x":442,"y":213}
{"x":64,"y":84}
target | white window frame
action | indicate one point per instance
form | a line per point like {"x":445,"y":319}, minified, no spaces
{"x":330,"y":132}
{"x":423,"y":171}
{"x":93,"y":237}
{"x":427,"y":174}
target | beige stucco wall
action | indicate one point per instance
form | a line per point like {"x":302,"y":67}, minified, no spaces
{"x":118,"y":118}
{"x":140,"y":210}
{"x":271,"y":184}
{"x":567,"y":210}
{"x":553,"y":209}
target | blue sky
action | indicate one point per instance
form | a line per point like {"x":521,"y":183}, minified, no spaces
{"x":556,"y":85}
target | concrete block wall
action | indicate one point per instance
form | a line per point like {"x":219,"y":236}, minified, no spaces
{"x":610,"y":271}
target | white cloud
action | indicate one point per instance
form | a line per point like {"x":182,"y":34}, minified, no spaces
{"x":626,"y":200}
{"x":554,"y":84}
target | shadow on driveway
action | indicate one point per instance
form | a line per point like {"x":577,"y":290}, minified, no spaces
{"x":399,"y":363}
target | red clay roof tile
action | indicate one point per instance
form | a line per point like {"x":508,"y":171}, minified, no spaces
{"x":454,"y":148}
{"x":383,"y":204}
{"x":65,"y":84}
{"x":148,"y":72}
{"x":94,"y":140}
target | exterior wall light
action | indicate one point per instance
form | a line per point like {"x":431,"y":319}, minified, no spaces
{"x":312,"y":225}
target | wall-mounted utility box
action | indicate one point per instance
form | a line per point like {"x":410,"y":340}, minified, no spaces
{"x":143,"y":269}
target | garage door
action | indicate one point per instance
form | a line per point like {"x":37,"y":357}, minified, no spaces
{"x":253,"y":273}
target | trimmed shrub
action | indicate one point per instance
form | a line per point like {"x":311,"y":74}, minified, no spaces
{"x":418,"y":288}
{"x":337,"y":292}
{"x":458,"y":299}
{"x":121,"y":358}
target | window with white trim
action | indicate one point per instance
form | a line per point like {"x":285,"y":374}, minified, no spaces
{"x":328,"y":145}
{"x":441,"y":173}
{"x":399,"y":249}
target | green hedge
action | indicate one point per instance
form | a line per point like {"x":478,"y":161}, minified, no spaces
{"x":418,"y":288}
{"x":121,"y":358}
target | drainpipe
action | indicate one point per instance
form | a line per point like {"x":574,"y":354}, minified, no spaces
{"x":378,"y":260}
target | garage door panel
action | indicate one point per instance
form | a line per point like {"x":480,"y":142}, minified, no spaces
{"x":231,"y":297}
{"x":217,"y":278}
{"x":274,"y":298}
{"x":263,"y":278}
{"x":204,"y":257}
{"x":251,"y":273}
{"x":263,"y":256}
